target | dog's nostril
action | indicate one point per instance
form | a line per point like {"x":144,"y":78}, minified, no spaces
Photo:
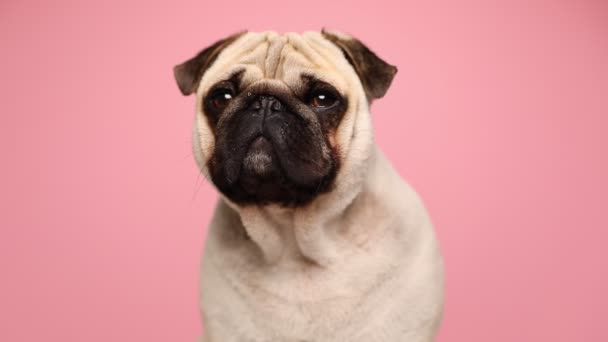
{"x":267,"y":103}
{"x":276,"y":105}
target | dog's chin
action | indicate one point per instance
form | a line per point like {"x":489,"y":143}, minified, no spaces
{"x":260,"y":160}
{"x":261,"y":176}
{"x":259,"y":167}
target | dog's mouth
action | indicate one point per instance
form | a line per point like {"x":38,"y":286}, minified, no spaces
{"x":260,"y":159}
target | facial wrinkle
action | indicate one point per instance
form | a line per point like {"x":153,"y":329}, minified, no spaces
{"x":300,"y":45}
{"x":273,"y":56}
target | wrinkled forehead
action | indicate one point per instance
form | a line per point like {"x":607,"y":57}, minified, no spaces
{"x":286,"y":58}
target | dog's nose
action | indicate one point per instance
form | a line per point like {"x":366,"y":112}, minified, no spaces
{"x":267,"y":105}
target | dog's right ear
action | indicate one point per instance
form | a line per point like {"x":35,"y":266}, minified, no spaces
{"x":188,"y":74}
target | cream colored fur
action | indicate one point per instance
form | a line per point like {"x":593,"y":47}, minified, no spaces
{"x":360,"y":263}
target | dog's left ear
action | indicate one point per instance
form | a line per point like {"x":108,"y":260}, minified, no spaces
{"x":375,"y":74}
{"x":188,"y":74}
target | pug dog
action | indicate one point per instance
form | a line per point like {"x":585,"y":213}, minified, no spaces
{"x":315,"y":236}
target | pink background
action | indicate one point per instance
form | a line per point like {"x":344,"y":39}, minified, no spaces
{"x":498,"y":116}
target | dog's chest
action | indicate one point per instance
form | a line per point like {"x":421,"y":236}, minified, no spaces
{"x":297,"y":303}
{"x":384,"y":285}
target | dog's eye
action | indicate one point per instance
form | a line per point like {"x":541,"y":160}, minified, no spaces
{"x":322,"y":99}
{"x":220,"y":98}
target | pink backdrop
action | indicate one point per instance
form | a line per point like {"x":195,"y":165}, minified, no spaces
{"x":498,"y":116}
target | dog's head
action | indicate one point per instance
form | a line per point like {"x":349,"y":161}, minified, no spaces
{"x":277,"y":114}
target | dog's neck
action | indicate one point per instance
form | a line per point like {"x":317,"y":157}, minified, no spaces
{"x":302,"y":233}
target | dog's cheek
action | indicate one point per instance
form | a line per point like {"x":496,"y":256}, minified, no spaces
{"x":203,"y":142}
{"x":332,"y":140}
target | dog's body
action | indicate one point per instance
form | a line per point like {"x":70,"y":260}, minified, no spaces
{"x":316,"y":237}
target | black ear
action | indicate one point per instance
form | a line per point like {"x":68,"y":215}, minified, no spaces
{"x":189,"y":74}
{"x":375,"y":74}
